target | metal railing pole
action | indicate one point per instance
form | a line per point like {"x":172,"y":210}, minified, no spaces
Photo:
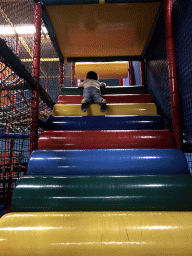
{"x":36,"y":70}
{"x":173,"y":83}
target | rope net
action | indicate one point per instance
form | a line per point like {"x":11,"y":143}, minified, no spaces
{"x":17,"y":30}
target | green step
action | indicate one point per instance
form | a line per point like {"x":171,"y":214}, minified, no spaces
{"x":103,"y":193}
{"x":106,"y":90}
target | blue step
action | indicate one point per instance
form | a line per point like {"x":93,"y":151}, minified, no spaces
{"x":103,"y":123}
{"x":107,"y":161}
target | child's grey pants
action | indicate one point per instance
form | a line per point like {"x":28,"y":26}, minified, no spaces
{"x":92,"y":95}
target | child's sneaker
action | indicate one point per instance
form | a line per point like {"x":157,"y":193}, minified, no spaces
{"x":83,"y":105}
{"x":103,"y":105}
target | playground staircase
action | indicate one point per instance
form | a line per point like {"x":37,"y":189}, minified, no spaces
{"x":109,"y":183}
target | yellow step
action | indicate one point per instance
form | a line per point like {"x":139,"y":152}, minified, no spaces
{"x":112,"y":109}
{"x":96,"y":233}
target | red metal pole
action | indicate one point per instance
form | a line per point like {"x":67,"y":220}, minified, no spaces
{"x":142,"y":72}
{"x":73,"y":74}
{"x":10,"y":176}
{"x":131,"y":74}
{"x":17,"y":53}
{"x":17,"y":45}
{"x":173,"y":83}
{"x":36,"y":70}
{"x":7,"y":144}
{"x":120,"y":82}
{"x":46,"y":88}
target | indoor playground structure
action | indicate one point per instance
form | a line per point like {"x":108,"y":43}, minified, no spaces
{"x":96,"y":183}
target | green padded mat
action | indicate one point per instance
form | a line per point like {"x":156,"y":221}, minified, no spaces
{"x":106,"y":90}
{"x":103,"y":193}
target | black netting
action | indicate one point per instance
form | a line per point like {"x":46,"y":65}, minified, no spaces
{"x":15,"y":105}
{"x":157,"y":72}
{"x":157,"y":69}
{"x":183,"y":35}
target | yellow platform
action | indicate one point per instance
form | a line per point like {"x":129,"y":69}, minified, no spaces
{"x":96,"y":234}
{"x":102,"y":30}
{"x":112,"y":109}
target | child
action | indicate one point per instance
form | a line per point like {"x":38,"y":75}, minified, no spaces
{"x":91,"y":92}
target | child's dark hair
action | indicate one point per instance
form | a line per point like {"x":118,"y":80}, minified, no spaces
{"x":92,"y":75}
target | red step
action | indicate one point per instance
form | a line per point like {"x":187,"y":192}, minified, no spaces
{"x":106,"y":139}
{"x":121,"y":98}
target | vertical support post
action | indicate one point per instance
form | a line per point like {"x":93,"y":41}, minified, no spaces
{"x":142,"y":72}
{"x":36,"y":71}
{"x":131,"y":74}
{"x":17,"y":53}
{"x":7,"y":143}
{"x":73,"y":74}
{"x":9,"y":176}
{"x":173,"y":83}
{"x":17,"y":45}
{"x":11,"y":169}
{"x":46,"y":88}
{"x":120,"y":82}
{"x":61,"y":75}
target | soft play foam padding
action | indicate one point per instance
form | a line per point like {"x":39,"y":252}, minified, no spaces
{"x":106,"y":90}
{"x":103,"y":193}
{"x":121,"y":98}
{"x":107,"y":161}
{"x":96,"y":233}
{"x":112,"y":109}
{"x":103,"y":122}
{"x":105,"y":70}
{"x":106,"y":139}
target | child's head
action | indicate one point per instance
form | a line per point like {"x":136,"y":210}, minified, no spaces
{"x":92,"y":75}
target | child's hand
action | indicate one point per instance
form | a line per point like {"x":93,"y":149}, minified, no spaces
{"x":81,"y":84}
{"x":103,"y":84}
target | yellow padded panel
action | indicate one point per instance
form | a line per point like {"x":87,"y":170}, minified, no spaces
{"x":112,"y":109}
{"x":105,"y":70}
{"x":96,"y":233}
